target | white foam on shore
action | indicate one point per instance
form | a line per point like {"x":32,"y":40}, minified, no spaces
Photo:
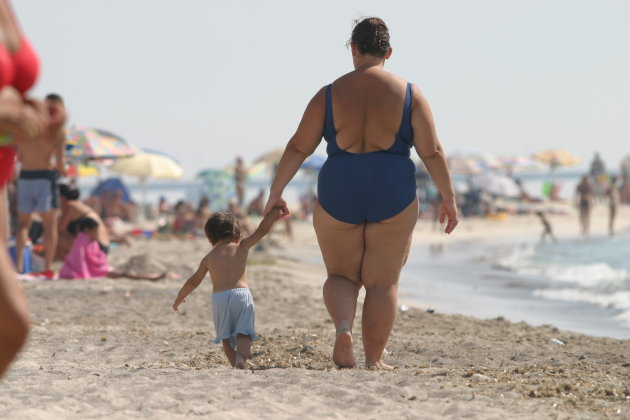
{"x":619,"y":300}
{"x":592,"y":276}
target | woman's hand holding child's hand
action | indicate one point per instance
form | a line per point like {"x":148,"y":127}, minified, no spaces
{"x":275,"y":201}
{"x":277,"y":212}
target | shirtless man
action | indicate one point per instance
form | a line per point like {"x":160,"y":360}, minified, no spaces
{"x":37,"y":183}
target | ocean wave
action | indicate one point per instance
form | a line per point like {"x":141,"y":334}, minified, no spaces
{"x":619,"y":300}
{"x":599,"y":276}
{"x":557,"y":265}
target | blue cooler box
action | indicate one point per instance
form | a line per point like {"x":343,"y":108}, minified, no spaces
{"x":26,"y":258}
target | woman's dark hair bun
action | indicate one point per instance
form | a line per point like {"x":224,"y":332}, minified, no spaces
{"x":371,"y":36}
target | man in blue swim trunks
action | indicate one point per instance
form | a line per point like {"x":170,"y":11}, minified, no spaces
{"x":37,"y":183}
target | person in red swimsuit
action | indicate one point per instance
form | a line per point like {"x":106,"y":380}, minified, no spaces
{"x":20,"y":119}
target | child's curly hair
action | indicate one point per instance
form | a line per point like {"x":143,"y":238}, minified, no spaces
{"x":221,"y":226}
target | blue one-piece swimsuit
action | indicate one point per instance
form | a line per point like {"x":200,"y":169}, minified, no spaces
{"x":367,"y":187}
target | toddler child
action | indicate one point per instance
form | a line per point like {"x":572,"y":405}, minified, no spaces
{"x":232,"y":302}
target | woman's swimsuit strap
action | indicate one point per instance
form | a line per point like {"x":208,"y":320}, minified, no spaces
{"x":330,"y":132}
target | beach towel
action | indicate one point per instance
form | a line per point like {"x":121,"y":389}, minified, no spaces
{"x":85,"y":260}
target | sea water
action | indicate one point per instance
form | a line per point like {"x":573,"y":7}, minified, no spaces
{"x":579,"y":285}
{"x":595,"y":271}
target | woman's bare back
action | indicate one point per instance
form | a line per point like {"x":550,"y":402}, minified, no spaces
{"x":367,"y":109}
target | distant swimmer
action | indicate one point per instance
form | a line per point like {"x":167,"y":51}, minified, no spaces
{"x":547,"y":230}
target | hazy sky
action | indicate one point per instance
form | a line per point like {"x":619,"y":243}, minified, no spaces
{"x":207,"y":80}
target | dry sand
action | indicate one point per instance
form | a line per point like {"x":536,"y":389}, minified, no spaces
{"x":114,"y":349}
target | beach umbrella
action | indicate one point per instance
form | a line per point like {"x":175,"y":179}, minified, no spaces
{"x":520,"y":163}
{"x":219,"y":186}
{"x":313,"y":163}
{"x":271,"y":157}
{"x":472,"y":163}
{"x":464,"y":165}
{"x":259,"y":170}
{"x":496,"y":184}
{"x":254,"y":171}
{"x":149,"y":164}
{"x":85,"y":143}
{"x":556,"y":157}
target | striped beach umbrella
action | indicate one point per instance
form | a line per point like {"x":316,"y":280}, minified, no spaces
{"x":85,"y":143}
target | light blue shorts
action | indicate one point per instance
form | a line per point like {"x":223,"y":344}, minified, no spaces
{"x":233,"y":313}
{"x":37,"y":191}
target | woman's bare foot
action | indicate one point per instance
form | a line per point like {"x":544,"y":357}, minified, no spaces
{"x":343,"y":355}
{"x":239,"y":363}
{"x":378,"y":365}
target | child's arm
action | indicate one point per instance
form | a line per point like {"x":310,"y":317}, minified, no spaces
{"x":193,"y":282}
{"x":263,"y":228}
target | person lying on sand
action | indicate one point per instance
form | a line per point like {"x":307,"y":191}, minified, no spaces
{"x":232,"y":303}
{"x":87,"y":258}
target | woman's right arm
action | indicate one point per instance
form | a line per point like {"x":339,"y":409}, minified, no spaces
{"x":430,"y":150}
{"x":302,"y":144}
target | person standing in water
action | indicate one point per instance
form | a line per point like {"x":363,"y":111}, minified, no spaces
{"x":584,"y":193}
{"x":614,"y":198}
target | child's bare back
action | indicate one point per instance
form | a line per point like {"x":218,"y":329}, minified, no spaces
{"x":226,"y":264}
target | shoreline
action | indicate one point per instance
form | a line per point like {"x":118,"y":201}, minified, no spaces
{"x":471,"y":285}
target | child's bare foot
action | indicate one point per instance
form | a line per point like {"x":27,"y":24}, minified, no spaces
{"x":343,"y":355}
{"x":379,"y":364}
{"x":239,"y":363}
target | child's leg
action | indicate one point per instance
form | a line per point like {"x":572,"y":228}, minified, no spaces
{"x":229,"y":351}
{"x":243,"y":350}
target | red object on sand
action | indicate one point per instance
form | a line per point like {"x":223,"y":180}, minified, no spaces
{"x":46,"y":274}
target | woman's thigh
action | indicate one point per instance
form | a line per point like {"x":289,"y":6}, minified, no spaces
{"x":387,"y":246}
{"x":341,"y":244}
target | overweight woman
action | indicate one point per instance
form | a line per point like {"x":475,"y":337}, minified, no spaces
{"x":367,"y":208}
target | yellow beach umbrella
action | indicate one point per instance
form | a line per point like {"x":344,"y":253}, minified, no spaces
{"x":149,"y":164}
{"x":270,"y":157}
{"x":556,"y":157}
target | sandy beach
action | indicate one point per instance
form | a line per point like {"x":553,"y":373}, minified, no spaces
{"x":114,"y":349}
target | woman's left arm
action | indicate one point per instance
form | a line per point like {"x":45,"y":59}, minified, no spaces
{"x":302,"y":144}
